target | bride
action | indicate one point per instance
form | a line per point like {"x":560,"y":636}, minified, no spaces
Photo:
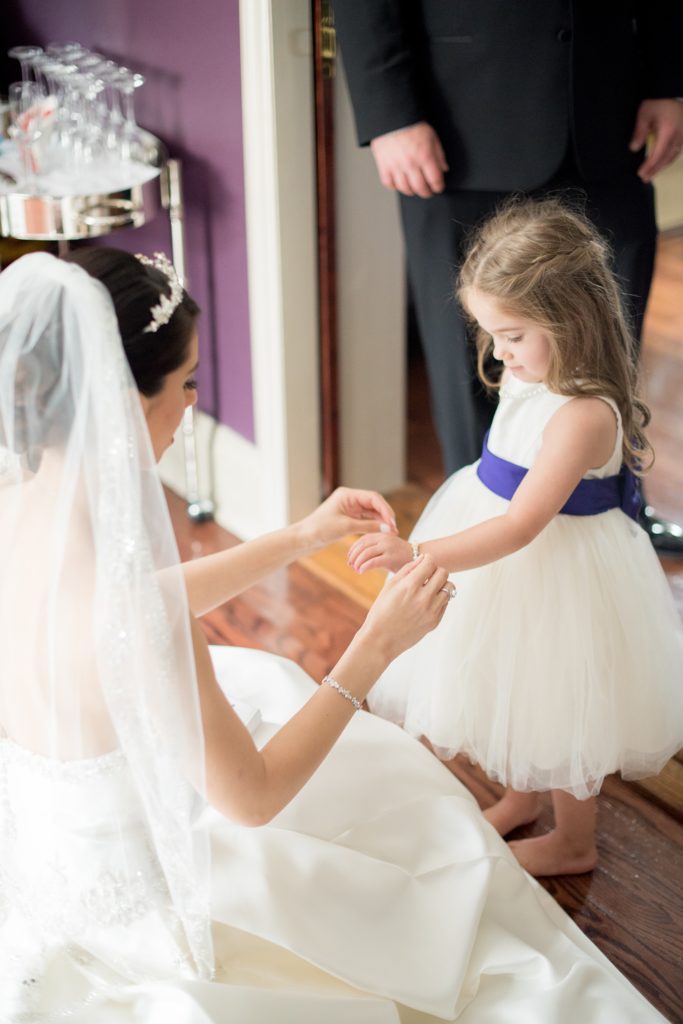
{"x":157,"y":862}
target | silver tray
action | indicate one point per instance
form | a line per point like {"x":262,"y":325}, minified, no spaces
{"x":64,"y":218}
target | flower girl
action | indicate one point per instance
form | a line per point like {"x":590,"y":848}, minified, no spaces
{"x":564,"y":660}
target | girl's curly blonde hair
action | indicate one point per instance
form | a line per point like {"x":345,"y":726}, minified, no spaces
{"x":546,"y":263}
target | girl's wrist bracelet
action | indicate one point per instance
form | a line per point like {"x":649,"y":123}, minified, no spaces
{"x":331,"y":681}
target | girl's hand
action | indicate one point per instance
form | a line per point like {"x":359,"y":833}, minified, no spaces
{"x":378,"y":551}
{"x":411,"y":604}
{"x":346,"y":511}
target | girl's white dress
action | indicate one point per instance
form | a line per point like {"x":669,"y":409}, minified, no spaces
{"x":379,"y":896}
{"x":559,"y":663}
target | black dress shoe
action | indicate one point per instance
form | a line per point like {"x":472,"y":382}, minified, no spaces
{"x":665,"y":536}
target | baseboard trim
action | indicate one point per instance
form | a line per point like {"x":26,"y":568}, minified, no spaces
{"x":230,"y":471}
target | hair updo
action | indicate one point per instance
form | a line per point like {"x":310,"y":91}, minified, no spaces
{"x":135,"y":289}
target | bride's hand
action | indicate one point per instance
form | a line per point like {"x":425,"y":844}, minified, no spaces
{"x":411,"y":604}
{"x":346,"y":511}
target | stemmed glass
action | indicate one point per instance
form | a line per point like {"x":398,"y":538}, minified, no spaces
{"x":109,"y":73}
{"x":87,"y":98}
{"x":87,"y":130}
{"x":65,"y":51}
{"x":44,"y":68}
{"x":31,"y":118}
{"x":24,"y":54}
{"x":127,"y":82}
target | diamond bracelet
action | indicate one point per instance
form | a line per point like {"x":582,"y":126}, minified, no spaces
{"x":331,"y":681}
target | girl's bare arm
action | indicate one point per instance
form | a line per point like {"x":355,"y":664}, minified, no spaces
{"x":579,"y":437}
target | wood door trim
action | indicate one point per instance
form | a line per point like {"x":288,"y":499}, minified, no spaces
{"x":327,"y":268}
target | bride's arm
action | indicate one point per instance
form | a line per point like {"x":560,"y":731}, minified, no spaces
{"x":214,"y":579}
{"x":251,"y":786}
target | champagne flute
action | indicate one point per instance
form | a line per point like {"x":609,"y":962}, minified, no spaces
{"x":24,"y":54}
{"x":65,"y":51}
{"x":27,"y":126}
{"x":128,"y":82}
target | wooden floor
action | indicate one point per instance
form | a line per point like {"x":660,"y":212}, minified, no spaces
{"x":631,"y":905}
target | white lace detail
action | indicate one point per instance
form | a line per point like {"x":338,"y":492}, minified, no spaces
{"x":88,"y":877}
{"x":76,"y":771}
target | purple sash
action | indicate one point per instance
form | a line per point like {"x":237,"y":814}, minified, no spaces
{"x":589,"y":498}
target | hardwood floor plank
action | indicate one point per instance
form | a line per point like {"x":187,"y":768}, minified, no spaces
{"x":666,"y":788}
{"x":331,"y":566}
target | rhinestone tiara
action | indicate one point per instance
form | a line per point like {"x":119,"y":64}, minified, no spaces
{"x":167,"y":305}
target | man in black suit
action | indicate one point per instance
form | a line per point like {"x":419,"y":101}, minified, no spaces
{"x":464,"y":102}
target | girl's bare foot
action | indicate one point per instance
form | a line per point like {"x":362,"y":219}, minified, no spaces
{"x":513,"y":810}
{"x":554,"y":854}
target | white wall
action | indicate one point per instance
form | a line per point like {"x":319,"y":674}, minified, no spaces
{"x":669,"y":196}
{"x":371,"y":301}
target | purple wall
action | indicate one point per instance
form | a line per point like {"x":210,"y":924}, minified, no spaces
{"x":190,"y":55}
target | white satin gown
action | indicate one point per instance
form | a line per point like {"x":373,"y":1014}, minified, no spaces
{"x":378,"y":895}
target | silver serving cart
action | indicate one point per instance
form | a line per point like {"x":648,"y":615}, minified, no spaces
{"x":66,"y":218}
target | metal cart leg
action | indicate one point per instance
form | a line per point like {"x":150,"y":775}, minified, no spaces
{"x":198,"y":509}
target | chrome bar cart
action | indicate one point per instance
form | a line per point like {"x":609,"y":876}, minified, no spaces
{"x":70,"y":216}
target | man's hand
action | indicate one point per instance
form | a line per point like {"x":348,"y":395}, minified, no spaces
{"x":411,"y":160}
{"x":662,"y":119}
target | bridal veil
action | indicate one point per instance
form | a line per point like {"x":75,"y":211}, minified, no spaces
{"x":95,"y":653}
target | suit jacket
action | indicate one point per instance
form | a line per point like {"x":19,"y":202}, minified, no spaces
{"x":510,"y":84}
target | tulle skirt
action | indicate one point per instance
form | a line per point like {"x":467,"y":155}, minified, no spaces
{"x":553,"y":666}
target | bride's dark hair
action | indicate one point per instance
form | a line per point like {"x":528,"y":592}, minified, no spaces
{"x":135,"y":289}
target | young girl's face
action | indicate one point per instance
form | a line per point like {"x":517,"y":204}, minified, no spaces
{"x":521,"y":346}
